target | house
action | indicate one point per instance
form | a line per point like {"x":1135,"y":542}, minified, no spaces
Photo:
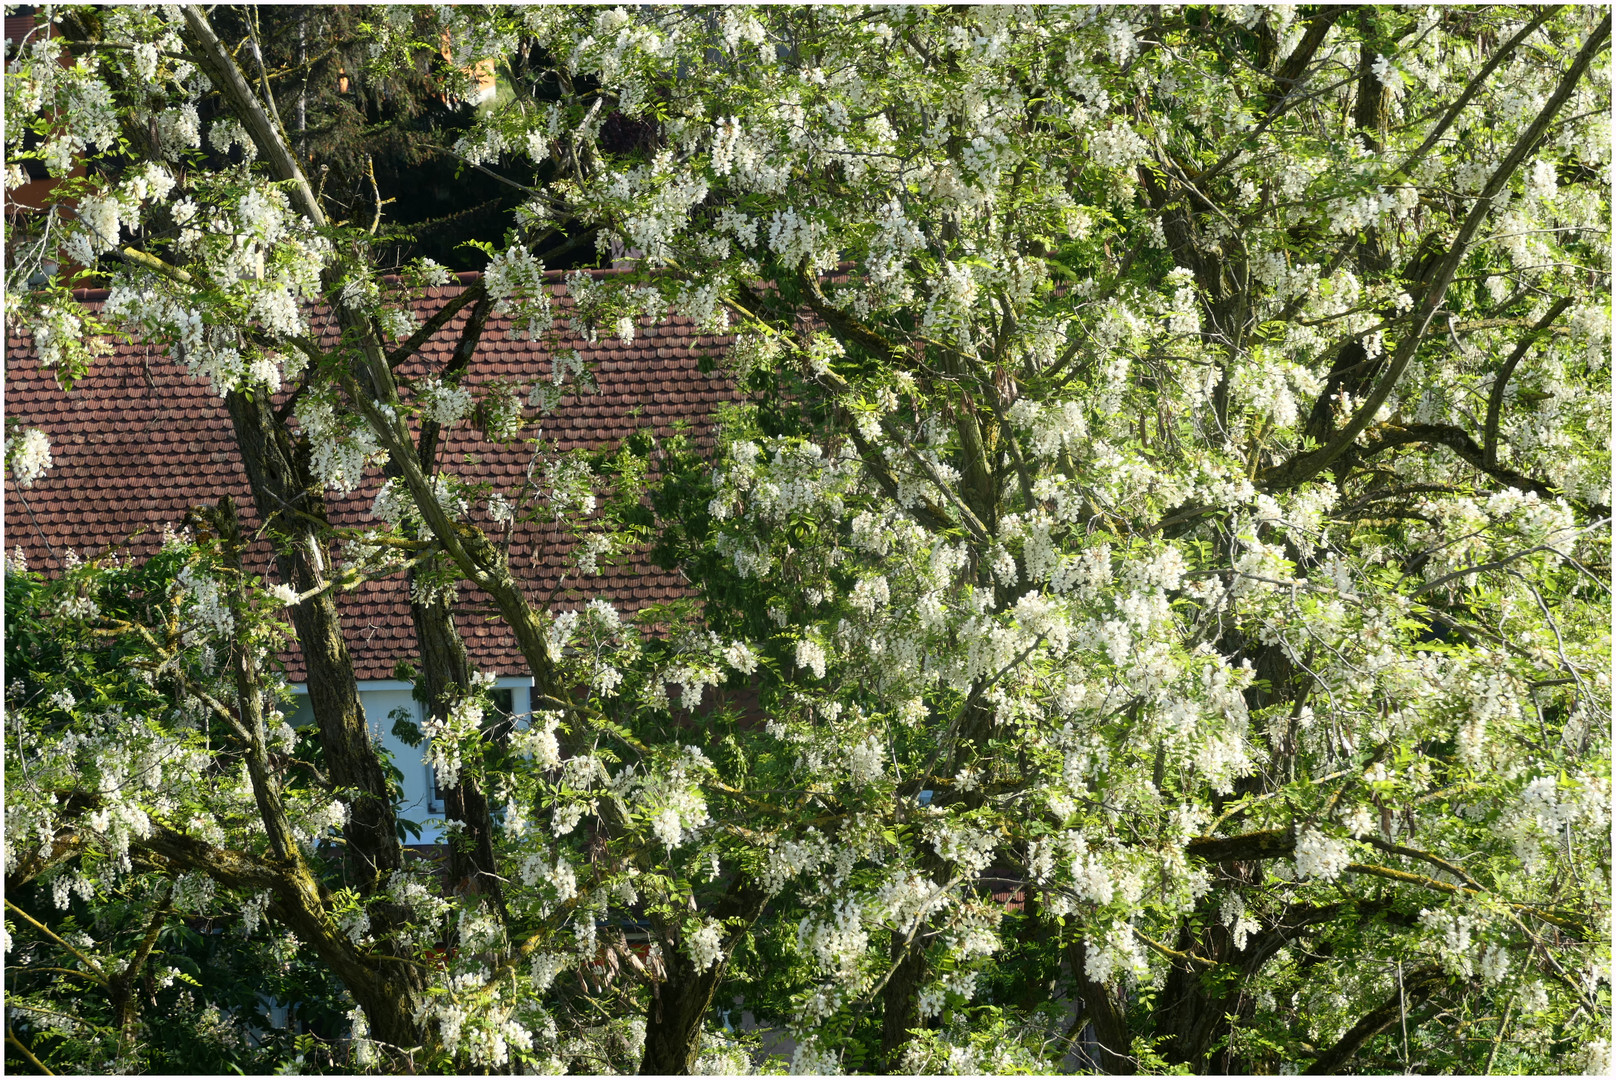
{"x":139,"y":442}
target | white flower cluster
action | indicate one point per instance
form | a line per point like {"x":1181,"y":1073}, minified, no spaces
{"x":1117,"y":146}
{"x":59,"y":338}
{"x":793,"y":858}
{"x":1114,"y":957}
{"x":445,"y":404}
{"x":356,"y":924}
{"x":837,"y":942}
{"x":448,"y":734}
{"x":515,"y":279}
{"x":799,"y":240}
{"x":1051,"y":428}
{"x":968,"y":847}
{"x":811,"y":657}
{"x":671,"y":801}
{"x":1320,"y":856}
{"x":702,"y":305}
{"x":1450,"y":931}
{"x":661,"y":207}
{"x":341,"y":446}
{"x":545,"y":967}
{"x":557,"y":879}
{"x":747,"y":159}
{"x":808,"y":1058}
{"x":1091,"y":880}
{"x":477,"y":1023}
{"x":538,"y":742}
{"x":705,"y":944}
{"x":950,"y":299}
{"x":739,"y":655}
{"x":866,"y":761}
{"x":178,"y":130}
{"x":28,"y":456}
{"x":212,"y":607}
{"x":571,"y":488}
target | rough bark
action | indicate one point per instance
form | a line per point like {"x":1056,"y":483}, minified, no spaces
{"x":122,"y":984}
{"x":445,"y":676}
{"x":1193,"y":1008}
{"x":681,"y":1002}
{"x":900,"y":1012}
{"x":388,"y":990}
{"x":294,"y":518}
{"x":445,"y":667}
{"x":1416,"y":987}
{"x":678,"y":1010}
{"x":1104,"y":1012}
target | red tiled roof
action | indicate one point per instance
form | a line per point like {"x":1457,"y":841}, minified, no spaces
{"x":17,"y":28}
{"x":138,"y":442}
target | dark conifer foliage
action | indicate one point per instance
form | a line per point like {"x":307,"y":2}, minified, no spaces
{"x":386,"y":134}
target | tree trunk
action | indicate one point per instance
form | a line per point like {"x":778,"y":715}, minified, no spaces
{"x":1104,"y":1013}
{"x":445,"y":667}
{"x":679,"y":1007}
{"x":1191,"y":1015}
{"x":681,"y":1001}
{"x":294,"y":518}
{"x":445,"y":675}
{"x":899,"y":1011}
{"x":389,"y":991}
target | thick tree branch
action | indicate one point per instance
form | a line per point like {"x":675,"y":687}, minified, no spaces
{"x":470,"y":336}
{"x":1102,"y":1010}
{"x":1270,"y":844}
{"x":230,"y":868}
{"x":100,"y":975}
{"x":11,"y":1037}
{"x":1305,"y":466}
{"x":1417,"y":986}
{"x":1459,"y":441}
{"x":249,"y":700}
{"x":1424,"y":856}
{"x":133,"y":255}
{"x":1295,"y":65}
{"x":844,"y":325}
{"x":1423,"y":882}
{"x":1474,"y":87}
{"x":850,"y":329}
{"x":1495,"y":398}
{"x":226,"y":76}
{"x":438,"y":321}
{"x":1496,"y":564}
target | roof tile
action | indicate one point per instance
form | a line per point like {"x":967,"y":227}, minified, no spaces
{"x":131,"y":457}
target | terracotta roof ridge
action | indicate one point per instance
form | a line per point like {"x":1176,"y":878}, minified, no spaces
{"x":467,"y":277}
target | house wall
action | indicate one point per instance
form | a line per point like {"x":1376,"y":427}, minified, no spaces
{"x":380,"y":698}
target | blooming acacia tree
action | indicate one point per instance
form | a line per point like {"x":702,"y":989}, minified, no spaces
{"x":1171,"y":496}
